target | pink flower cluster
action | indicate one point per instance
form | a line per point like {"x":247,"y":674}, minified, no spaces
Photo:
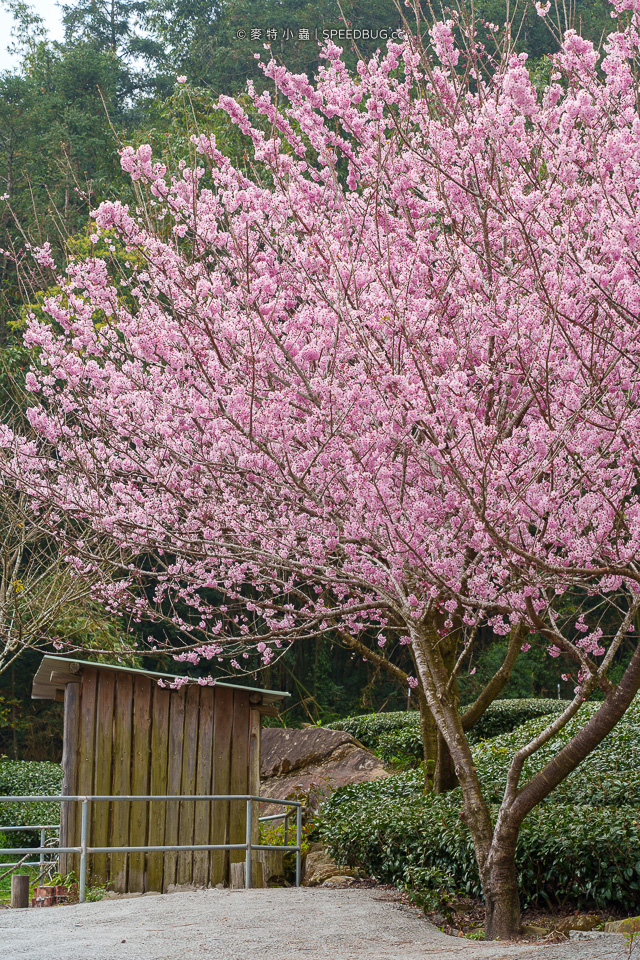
{"x":397,"y":373}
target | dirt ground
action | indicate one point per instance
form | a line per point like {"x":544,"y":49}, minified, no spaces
{"x":272,"y":924}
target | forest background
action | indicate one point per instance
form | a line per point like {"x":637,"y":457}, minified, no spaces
{"x":64,"y":113}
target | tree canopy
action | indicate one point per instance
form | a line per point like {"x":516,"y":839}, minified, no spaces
{"x":386,"y":379}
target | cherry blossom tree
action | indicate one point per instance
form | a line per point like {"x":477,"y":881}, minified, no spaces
{"x":387,"y":382}
{"x":45,"y":600}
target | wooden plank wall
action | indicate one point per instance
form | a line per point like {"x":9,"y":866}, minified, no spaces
{"x":126,"y":735}
{"x":202,"y":811}
{"x":69,"y":811}
{"x":141,"y":755}
{"x":222,"y":732}
{"x":157,"y":810}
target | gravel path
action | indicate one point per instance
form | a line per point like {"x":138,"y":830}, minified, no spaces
{"x":276,"y":924}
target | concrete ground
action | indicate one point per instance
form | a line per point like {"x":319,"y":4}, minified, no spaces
{"x":274,"y":924}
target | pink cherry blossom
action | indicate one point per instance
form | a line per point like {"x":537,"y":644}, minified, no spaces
{"x":387,"y":379}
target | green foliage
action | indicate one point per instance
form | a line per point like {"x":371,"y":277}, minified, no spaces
{"x":401,"y":747}
{"x":369,"y":727}
{"x":430,"y":888}
{"x":23,"y":778}
{"x":617,"y":759}
{"x":534,"y":675}
{"x":396,"y":737}
{"x":573,"y":847}
{"x":503,"y":716}
{"x":212,"y":42}
{"x":94,"y":894}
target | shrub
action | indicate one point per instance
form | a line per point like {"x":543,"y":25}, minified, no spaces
{"x":396,"y":737}
{"x":572,"y":847}
{"x":502,"y":716}
{"x":369,"y":727}
{"x":403,"y":746}
{"x":28,"y":778}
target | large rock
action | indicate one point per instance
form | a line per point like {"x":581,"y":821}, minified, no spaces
{"x":313,"y":761}
{"x":319,"y":866}
{"x":583,"y":921}
{"x":338,"y":881}
{"x":630,"y":925}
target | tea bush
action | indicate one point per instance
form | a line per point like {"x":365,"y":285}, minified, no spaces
{"x":396,"y":736}
{"x":369,"y":727}
{"x":28,"y":778}
{"x":581,"y":845}
{"x":403,"y":746}
{"x":502,"y":716}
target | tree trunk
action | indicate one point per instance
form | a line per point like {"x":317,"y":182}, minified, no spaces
{"x":439,"y":771}
{"x":445,"y":775}
{"x":500,"y":889}
{"x":502,"y":902}
{"x":430,"y":744}
{"x":445,"y":778}
{"x":496,"y":861}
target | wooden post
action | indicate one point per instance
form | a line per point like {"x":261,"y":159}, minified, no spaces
{"x":222,"y":724}
{"x":20,"y":891}
{"x":239,"y":776}
{"x":203,"y":811}
{"x":255,"y":728}
{"x":237,"y":872}
{"x":86,"y":758}
{"x":184,"y":871}
{"x":236,"y":881}
{"x":157,"y":810}
{"x":121,"y":779}
{"x":68,"y":811}
{"x":140,"y":739}
{"x":272,"y":864}
{"x":174,"y":781}
{"x":103,"y":763}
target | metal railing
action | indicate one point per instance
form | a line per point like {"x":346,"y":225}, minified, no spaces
{"x":85,"y":850}
{"x":42,"y":827}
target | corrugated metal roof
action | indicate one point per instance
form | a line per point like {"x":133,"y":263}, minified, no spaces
{"x":54,"y":673}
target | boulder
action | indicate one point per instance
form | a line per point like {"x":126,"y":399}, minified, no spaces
{"x":630,"y":925}
{"x":583,"y":921}
{"x":326,"y":872}
{"x":338,"y":882}
{"x":320,"y":866}
{"x":314,"y":762}
{"x":533,"y":930}
{"x":316,"y":859}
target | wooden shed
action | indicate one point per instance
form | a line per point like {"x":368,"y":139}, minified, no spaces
{"x":124,"y":734}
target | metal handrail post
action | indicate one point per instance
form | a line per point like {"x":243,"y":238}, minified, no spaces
{"x":42,"y":840}
{"x":298,"y":845}
{"x":247,"y":862}
{"x":84,"y":829}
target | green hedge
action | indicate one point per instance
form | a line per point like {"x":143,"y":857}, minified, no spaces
{"x":28,"y":778}
{"x":396,"y":736}
{"x":572,"y":847}
{"x":403,"y":746}
{"x":502,"y":716}
{"x":370,"y":726}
